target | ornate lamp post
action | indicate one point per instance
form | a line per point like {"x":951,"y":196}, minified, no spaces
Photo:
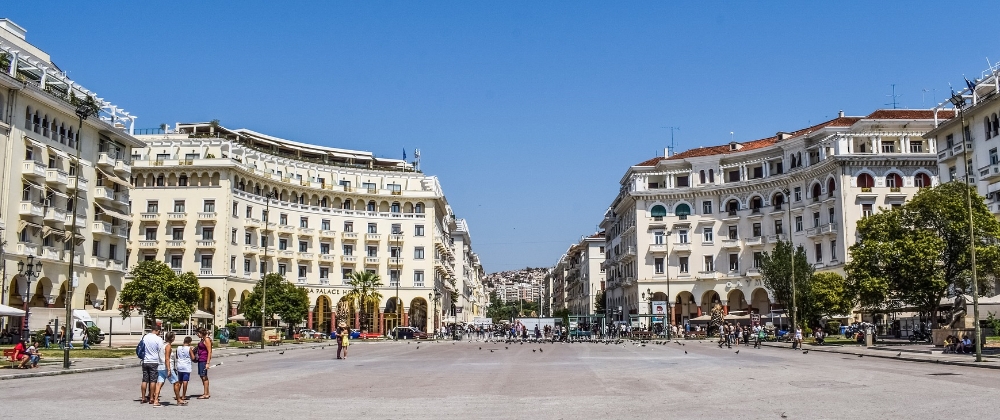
{"x":29,"y":271}
{"x":959,"y":102}
{"x":82,"y":112}
{"x":788,"y":202}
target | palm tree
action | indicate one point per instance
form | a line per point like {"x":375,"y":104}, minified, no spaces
{"x":364,"y":292}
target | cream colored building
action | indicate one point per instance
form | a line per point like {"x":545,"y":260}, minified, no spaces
{"x":39,"y":135}
{"x":584,"y":270}
{"x":199,"y":205}
{"x":691,"y":227}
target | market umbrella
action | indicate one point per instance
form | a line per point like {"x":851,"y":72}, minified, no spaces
{"x":10,"y":311}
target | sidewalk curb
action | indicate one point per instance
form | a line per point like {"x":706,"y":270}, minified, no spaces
{"x":904,"y":357}
{"x":136,"y":364}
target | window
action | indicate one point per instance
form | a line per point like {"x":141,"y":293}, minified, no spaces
{"x":418,"y":278}
{"x":815,"y":219}
{"x":206,"y":261}
{"x":682,"y":211}
{"x":732,"y":206}
{"x":324,"y":273}
{"x":393,"y":278}
{"x":150,"y":234}
{"x":734,"y":262}
{"x":757,"y":257}
{"x":348,"y":226}
{"x":798,"y":194}
{"x":757,"y":231}
{"x":819,"y":251}
{"x":160,"y":181}
{"x":682,"y":236}
{"x":950,"y":140}
{"x":282,"y":269}
{"x":152,"y":206}
{"x":893,"y":181}
{"x":658,"y":212}
{"x":207,"y":234}
{"x":372,"y":251}
{"x":682,"y":264}
{"x":283,"y":219}
{"x":263,"y":267}
{"x":706,"y":207}
{"x":798,"y":223}
{"x":371,"y":206}
{"x":701,"y":176}
{"x":709,"y":263}
{"x":182,"y":181}
{"x":734,"y":176}
{"x":758,"y":172}
{"x":711,"y":176}
{"x":418,"y":208}
{"x":348,"y":250}
{"x":303,"y":222}
{"x":303,"y":246}
{"x":733,"y":232}
{"x":177,"y":234}
{"x":833,"y":250}
{"x":916,"y":147}
{"x":889,"y":147}
{"x":178,"y":206}
{"x":232,"y":263}
{"x":246,"y":265}
{"x":866,"y":210}
{"x":302,"y":272}
{"x":658,"y":265}
{"x":682,"y":181}
{"x":418,"y":230}
{"x":832,"y":213}
{"x":707,"y":235}
{"x":263,"y":241}
{"x":921,"y":180}
{"x":209,"y":206}
{"x":176,"y":261}
{"x":396,"y":229}
{"x":866,"y":181}
{"x":372,"y":228}
{"x":324,"y":249}
{"x":418,"y":253}
{"x":346,"y":273}
{"x":394,"y":207}
{"x":324,"y":224}
{"x":236,"y":210}
{"x":369,"y":186}
{"x":282,"y":244}
{"x":247,"y":239}
{"x":233,"y":237}
{"x":658,"y":237}
{"x":993,"y":157}
{"x":249,"y":212}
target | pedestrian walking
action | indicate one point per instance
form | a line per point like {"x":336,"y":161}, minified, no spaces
{"x":149,"y":351}
{"x":184,"y":357}
{"x":204,"y":354}
{"x":164,"y":371}
{"x":797,"y":339}
{"x":343,"y":337}
{"x":49,"y":335}
{"x":86,"y":340}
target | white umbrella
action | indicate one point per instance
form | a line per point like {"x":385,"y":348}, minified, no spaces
{"x":10,"y":311}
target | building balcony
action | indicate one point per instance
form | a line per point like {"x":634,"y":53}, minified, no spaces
{"x":301,"y":280}
{"x":177,"y":217}
{"x":658,"y":248}
{"x":286,"y":229}
{"x":990,"y":172}
{"x":205,"y":243}
{"x":122,"y":197}
{"x":396,"y":237}
{"x":628,"y":254}
{"x":773,"y":239}
{"x":349,"y":236}
{"x":396,"y":260}
{"x":81,"y":220}
{"x":52,"y":253}
{"x":250,"y":249}
{"x":205,"y":272}
{"x":101,"y":228}
{"x":98,"y":261}
{"x":116,"y":265}
{"x":177,"y":271}
{"x":147,"y":244}
{"x":684,"y":247}
{"x":827,"y":229}
{"x":286,"y":254}
{"x":73,"y":181}
{"x":707,"y":275}
{"x":731,"y":215}
{"x":104,"y":193}
{"x":348,"y":259}
{"x":372,"y":260}
{"x":31,"y":208}
{"x":306,"y":255}
{"x":33,"y":169}
{"x":327,"y":233}
{"x":247,"y":274}
{"x":753,"y":272}
{"x":372,"y":237}
{"x":56,"y":176}
{"x":206,"y":215}
{"x":327,"y":257}
{"x":28,"y":248}
{"x":251,"y":223}
{"x":174,"y":243}
{"x":731,"y":243}
{"x":105,"y":160}
{"x":123,"y":167}
{"x":755,"y":213}
{"x":152,"y":217}
{"x":754,"y":241}
{"x":628,"y":281}
{"x":120,"y":231}
{"x":55,"y":215}
{"x":307,"y":231}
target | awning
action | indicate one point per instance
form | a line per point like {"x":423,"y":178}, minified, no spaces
{"x":115,"y":179}
{"x":238,"y":317}
{"x":10,"y":311}
{"x":21,"y":224}
{"x":113,"y":213}
{"x":49,"y":189}
{"x":200,"y":314}
{"x":59,"y":153}
{"x":34,"y":142}
{"x":32,"y":183}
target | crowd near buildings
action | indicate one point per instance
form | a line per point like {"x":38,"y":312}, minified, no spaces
{"x":689,"y":229}
{"x":226,"y":204}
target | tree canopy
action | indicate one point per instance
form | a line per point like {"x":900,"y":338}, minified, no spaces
{"x":286,"y":300}
{"x":365,"y":295}
{"x":776,"y":269}
{"x":159,"y":293}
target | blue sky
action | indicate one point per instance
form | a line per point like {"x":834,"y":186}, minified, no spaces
{"x":528,"y":113}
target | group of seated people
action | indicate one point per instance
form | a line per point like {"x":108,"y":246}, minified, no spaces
{"x":953,"y":345}
{"x":26,"y":357}
{"x":9,"y":336}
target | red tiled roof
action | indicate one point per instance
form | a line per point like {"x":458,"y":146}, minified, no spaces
{"x":881,"y":114}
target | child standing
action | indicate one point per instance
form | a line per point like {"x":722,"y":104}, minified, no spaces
{"x":184,"y":367}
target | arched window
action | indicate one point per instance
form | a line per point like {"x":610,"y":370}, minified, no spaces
{"x":256,"y":189}
{"x":778,"y":200}
{"x":711,"y":176}
{"x":682,"y":211}
{"x":866,"y":181}
{"x":755,"y":204}
{"x":27,"y":118}
{"x":182,"y":180}
{"x":893,"y":181}
{"x":732,"y":206}
{"x":658,"y":212}
{"x":394,"y":208}
{"x":302,"y":199}
{"x":831,"y":186}
{"x":36,"y":123}
{"x":419,"y":208}
{"x":817,"y":191}
{"x":996,"y":126}
{"x":159,"y":181}
{"x":371,"y":206}
{"x":988,"y":127}
{"x":921,"y":180}
{"x":243,"y":186}
{"x":701,"y":176}
{"x":323,"y":202}
{"x":45,"y":126}
{"x":347,"y":204}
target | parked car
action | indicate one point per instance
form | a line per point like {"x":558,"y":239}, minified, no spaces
{"x":406,"y":333}
{"x":310,"y":334}
{"x":367,"y":335}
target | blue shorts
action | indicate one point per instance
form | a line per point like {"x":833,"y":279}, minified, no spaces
{"x":202,"y":369}
{"x":163,"y":376}
{"x":183,"y":376}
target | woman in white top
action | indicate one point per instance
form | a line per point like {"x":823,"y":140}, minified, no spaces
{"x":184,"y":367}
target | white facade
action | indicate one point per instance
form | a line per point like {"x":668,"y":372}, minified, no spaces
{"x":39,"y":137}
{"x":584,"y":279}
{"x":699,"y":221}
{"x":200,"y":206}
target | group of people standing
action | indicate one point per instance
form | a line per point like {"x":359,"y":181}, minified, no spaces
{"x":162,"y":363}
{"x":733,"y":333}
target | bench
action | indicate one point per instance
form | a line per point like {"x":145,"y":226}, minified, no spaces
{"x":8,"y":356}
{"x":243,"y":340}
{"x":297,"y":338}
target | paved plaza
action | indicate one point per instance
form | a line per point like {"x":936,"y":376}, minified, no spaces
{"x":425,"y":380}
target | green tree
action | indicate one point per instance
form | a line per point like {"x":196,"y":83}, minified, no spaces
{"x":599,"y":302}
{"x":254,"y":302}
{"x":827,"y":296}
{"x":290,"y":302}
{"x":776,"y":269}
{"x":365,"y":295}
{"x":159,"y":293}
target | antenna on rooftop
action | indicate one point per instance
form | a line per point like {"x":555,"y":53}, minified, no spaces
{"x":933,"y":95}
{"x":671,"y":148}
{"x":893,"y":96}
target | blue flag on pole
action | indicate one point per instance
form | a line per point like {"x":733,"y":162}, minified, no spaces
{"x":404,"y":153}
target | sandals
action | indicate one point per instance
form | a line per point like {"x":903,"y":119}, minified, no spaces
{"x":204,"y":397}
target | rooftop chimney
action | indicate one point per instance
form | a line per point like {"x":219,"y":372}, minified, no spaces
{"x":840,"y":114}
{"x":783,"y":135}
{"x":666,"y":152}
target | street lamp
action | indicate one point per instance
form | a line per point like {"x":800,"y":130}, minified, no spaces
{"x":788,"y":203}
{"x":267,"y":214}
{"x":83,"y":111}
{"x":399,"y":307}
{"x":436,"y":296}
{"x":28,"y":271}
{"x":959,"y":102}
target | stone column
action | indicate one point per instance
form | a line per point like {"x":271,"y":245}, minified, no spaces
{"x":333,"y":321}
{"x":357,"y":320}
{"x":381,"y":322}
{"x":309,"y":320}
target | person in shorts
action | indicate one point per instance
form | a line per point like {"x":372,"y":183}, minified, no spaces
{"x":204,"y":354}
{"x":184,"y":366}
{"x":151,"y":344}
{"x":165,"y":370}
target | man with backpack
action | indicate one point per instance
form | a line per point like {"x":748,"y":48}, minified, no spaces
{"x":148,"y":350}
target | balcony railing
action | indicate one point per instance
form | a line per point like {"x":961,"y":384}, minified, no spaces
{"x":374,"y":237}
{"x":149,"y":216}
{"x":56,"y":176}
{"x":206,"y":215}
{"x":349,"y":236}
{"x":348,"y":259}
{"x":327,"y":233}
{"x":206,"y":271}
{"x":372,"y":260}
{"x":33,"y":168}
